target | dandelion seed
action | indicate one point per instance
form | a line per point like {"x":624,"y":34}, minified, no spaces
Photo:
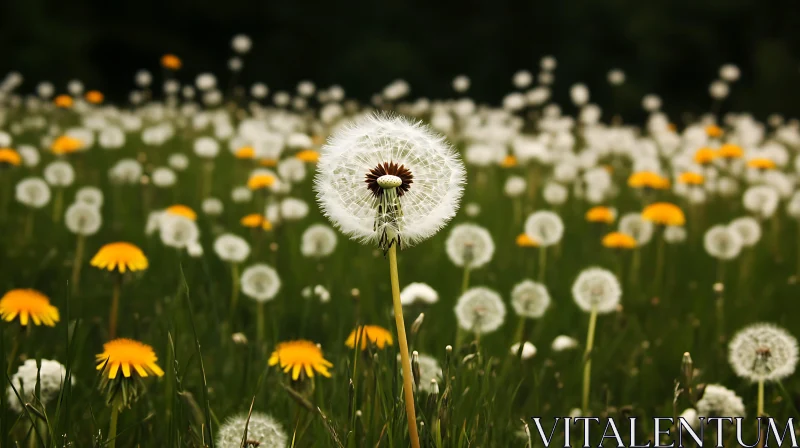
{"x":262,"y":431}
{"x":480,"y":310}
{"x":49,"y":376}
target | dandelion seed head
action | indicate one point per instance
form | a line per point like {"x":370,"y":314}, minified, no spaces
{"x":545,"y":227}
{"x":50,"y":374}
{"x":528,"y":350}
{"x":634,"y":225}
{"x":748,"y":228}
{"x":319,"y":240}
{"x":597,"y":289}
{"x":231,"y":248}
{"x":562,"y":343}
{"x":293,"y":209}
{"x":514,"y":186}
{"x":763,"y":352}
{"x":59,"y":173}
{"x":722,"y":242}
{"x":261,"y":428}
{"x":530,"y":299}
{"x":480,"y":310}
{"x":83,"y":219}
{"x":260,"y":282}
{"x":418,"y":293}
{"x":718,"y":401}
{"x":177,"y":231}
{"x":469,"y":245}
{"x":164,"y":177}
{"x":32,"y":192}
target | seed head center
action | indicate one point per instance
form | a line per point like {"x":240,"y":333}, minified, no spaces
{"x":388,"y":181}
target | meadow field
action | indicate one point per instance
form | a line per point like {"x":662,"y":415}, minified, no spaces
{"x":192,"y":267}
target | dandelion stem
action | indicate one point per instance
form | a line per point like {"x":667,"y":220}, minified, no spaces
{"x":260,"y":322}
{"x":77,"y":263}
{"x":401,"y":339}
{"x":208,"y":171}
{"x":659,"y":264}
{"x":58,"y":204}
{"x":465,"y":280}
{"x":587,"y":366}
{"x":542,"y":263}
{"x":112,"y":316}
{"x":760,"y":408}
{"x":28,"y":225}
{"x":234,"y":291}
{"x":112,"y":427}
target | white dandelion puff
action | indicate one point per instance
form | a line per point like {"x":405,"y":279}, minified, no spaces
{"x":528,"y":350}
{"x":480,"y":310}
{"x":260,"y":282}
{"x":544,"y":227}
{"x":262,"y":429}
{"x":164,"y":177}
{"x":83,"y":219}
{"x":418,"y":293}
{"x":59,"y":174}
{"x":90,"y":195}
{"x":32,"y":192}
{"x":748,"y":228}
{"x":597,"y":289}
{"x":212,"y":206}
{"x":722,"y":242}
{"x":177,"y":231}
{"x":178,"y":161}
{"x":414,"y":181}
{"x":318,"y":241}
{"x":293,"y":209}
{"x":470,"y":246}
{"x":639,"y":228}
{"x":763,"y":352}
{"x":231,"y":248}
{"x":674,"y":234}
{"x":563,"y":342}
{"x":762,"y":200}
{"x":514,"y":186}
{"x":719,"y":401}
{"x":530,"y":299}
{"x":241,"y":195}
{"x":50,"y":376}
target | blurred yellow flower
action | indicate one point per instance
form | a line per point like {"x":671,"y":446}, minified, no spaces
{"x":379,"y":336}
{"x":9,"y":157}
{"x":63,"y":101}
{"x":182,"y":210}
{"x":65,"y":145}
{"x":94,"y":97}
{"x":268,"y":162}
{"x":171,"y":62}
{"x":28,"y":304}
{"x":523,"y":240}
{"x":664,"y":213}
{"x":714,"y":131}
{"x":245,"y":152}
{"x":618,"y":240}
{"x":761,"y":163}
{"x":127,"y":354}
{"x":691,"y":178}
{"x":731,"y":151}
{"x":648,"y":179}
{"x":300,"y":355}
{"x":260,"y":181}
{"x":255,"y":220}
{"x":120,"y":256}
{"x":309,"y":155}
{"x":704,"y":156}
{"x":509,"y":161}
{"x":601,"y":214}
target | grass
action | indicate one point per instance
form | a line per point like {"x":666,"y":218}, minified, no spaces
{"x":179,"y":305}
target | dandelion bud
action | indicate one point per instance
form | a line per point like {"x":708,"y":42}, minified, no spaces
{"x":687,"y":367}
{"x":239,"y":338}
{"x":434,"y":387}
{"x":355,"y":293}
{"x":415,"y":367}
{"x":468,"y":358}
{"x":719,"y":288}
{"x":358,"y":413}
{"x":417,"y":324}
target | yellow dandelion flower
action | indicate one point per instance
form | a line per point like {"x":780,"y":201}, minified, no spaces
{"x":260,"y":181}
{"x":28,"y":304}
{"x":65,"y":145}
{"x":171,"y":62}
{"x":9,"y":157}
{"x":691,"y":178}
{"x":252,"y":220}
{"x":714,"y":131}
{"x":665,"y":214}
{"x":63,"y":101}
{"x":94,"y":96}
{"x":129,"y":355}
{"x":379,"y":336}
{"x":120,"y":256}
{"x":245,"y":153}
{"x":619,"y":240}
{"x":730,"y":151}
{"x":761,"y":163}
{"x":601,"y":214}
{"x":523,"y":240}
{"x":704,"y":156}
{"x":300,"y":355}
{"x":648,"y":179}
{"x":271,"y":163}
{"x":309,"y":155}
{"x":182,"y":210}
{"x":509,"y":161}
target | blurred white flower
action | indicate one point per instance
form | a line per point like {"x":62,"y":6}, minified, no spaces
{"x":722,"y":242}
{"x":418,"y":293}
{"x":562,"y":342}
{"x":33,"y":192}
{"x":59,"y":173}
{"x":530,"y":299}
{"x":212,"y":206}
{"x":50,"y":376}
{"x":205,"y":81}
{"x":579,"y":94}
{"x":461,"y":83}
{"x":554,"y":193}
{"x":522,"y":79}
{"x":231,"y":248}
{"x":293,"y":209}
{"x":259,"y":90}
{"x":729,"y":73}
{"x":260,"y":282}
{"x":544,"y":227}
{"x":470,"y":246}
{"x":178,"y":161}
{"x":597,"y":289}
{"x":206,"y":147}
{"x":674,"y":234}
{"x":762,"y":200}
{"x":718,"y":400}
{"x":634,"y":225}
{"x":514,"y":186}
{"x":651,"y":103}
{"x":241,"y":43}
{"x":763,"y":352}
{"x":143,"y":78}
{"x":163,"y":177}
{"x":30,"y":155}
{"x":318,"y":240}
{"x":126,"y":171}
{"x":718,"y":90}
{"x":83,"y":219}
{"x":262,"y":429}
{"x":748,"y":228}
{"x":528,"y":350}
{"x":111,"y":137}
{"x":472,"y":209}
{"x":616,"y":77}
{"x":480,"y":310}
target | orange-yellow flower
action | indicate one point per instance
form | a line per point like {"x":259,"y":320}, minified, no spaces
{"x":9,"y":157}
{"x":379,"y":336}
{"x":182,"y":210}
{"x":618,"y":240}
{"x":664,"y":213}
{"x":268,"y":162}
{"x":731,"y":151}
{"x":94,"y":96}
{"x":761,"y":163}
{"x":121,"y":257}
{"x":259,"y":181}
{"x":171,"y":62}
{"x":713,"y":131}
{"x":648,"y":179}
{"x":300,"y":355}
{"x":523,"y":240}
{"x":308,"y":155}
{"x":28,"y":304}
{"x":65,"y":145}
{"x":245,"y":152}
{"x":255,"y":220}
{"x":704,"y":156}
{"x":127,"y":354}
{"x":691,"y":178}
{"x":601,"y":214}
{"x":509,"y":161}
{"x":63,"y":101}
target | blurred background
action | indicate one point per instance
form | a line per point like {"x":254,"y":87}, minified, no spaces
{"x":670,"y":47}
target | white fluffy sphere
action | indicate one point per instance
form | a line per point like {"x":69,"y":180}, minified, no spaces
{"x":597,"y":289}
{"x":260,"y":282}
{"x":469,"y":245}
{"x":480,"y":310}
{"x":530,"y":299}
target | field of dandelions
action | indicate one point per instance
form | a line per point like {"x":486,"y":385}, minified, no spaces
{"x":242,"y":267}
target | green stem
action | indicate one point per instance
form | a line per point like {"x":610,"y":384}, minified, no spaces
{"x":401,"y":339}
{"x":114,"y":312}
{"x":587,"y":367}
{"x":58,"y":204}
{"x":112,"y":427}
{"x":465,"y":279}
{"x":77,"y":263}
{"x":260,"y":322}
{"x":234,"y":292}
{"x":760,"y":408}
{"x":659,"y":264}
{"x":28,"y":226}
{"x":542,"y":263}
